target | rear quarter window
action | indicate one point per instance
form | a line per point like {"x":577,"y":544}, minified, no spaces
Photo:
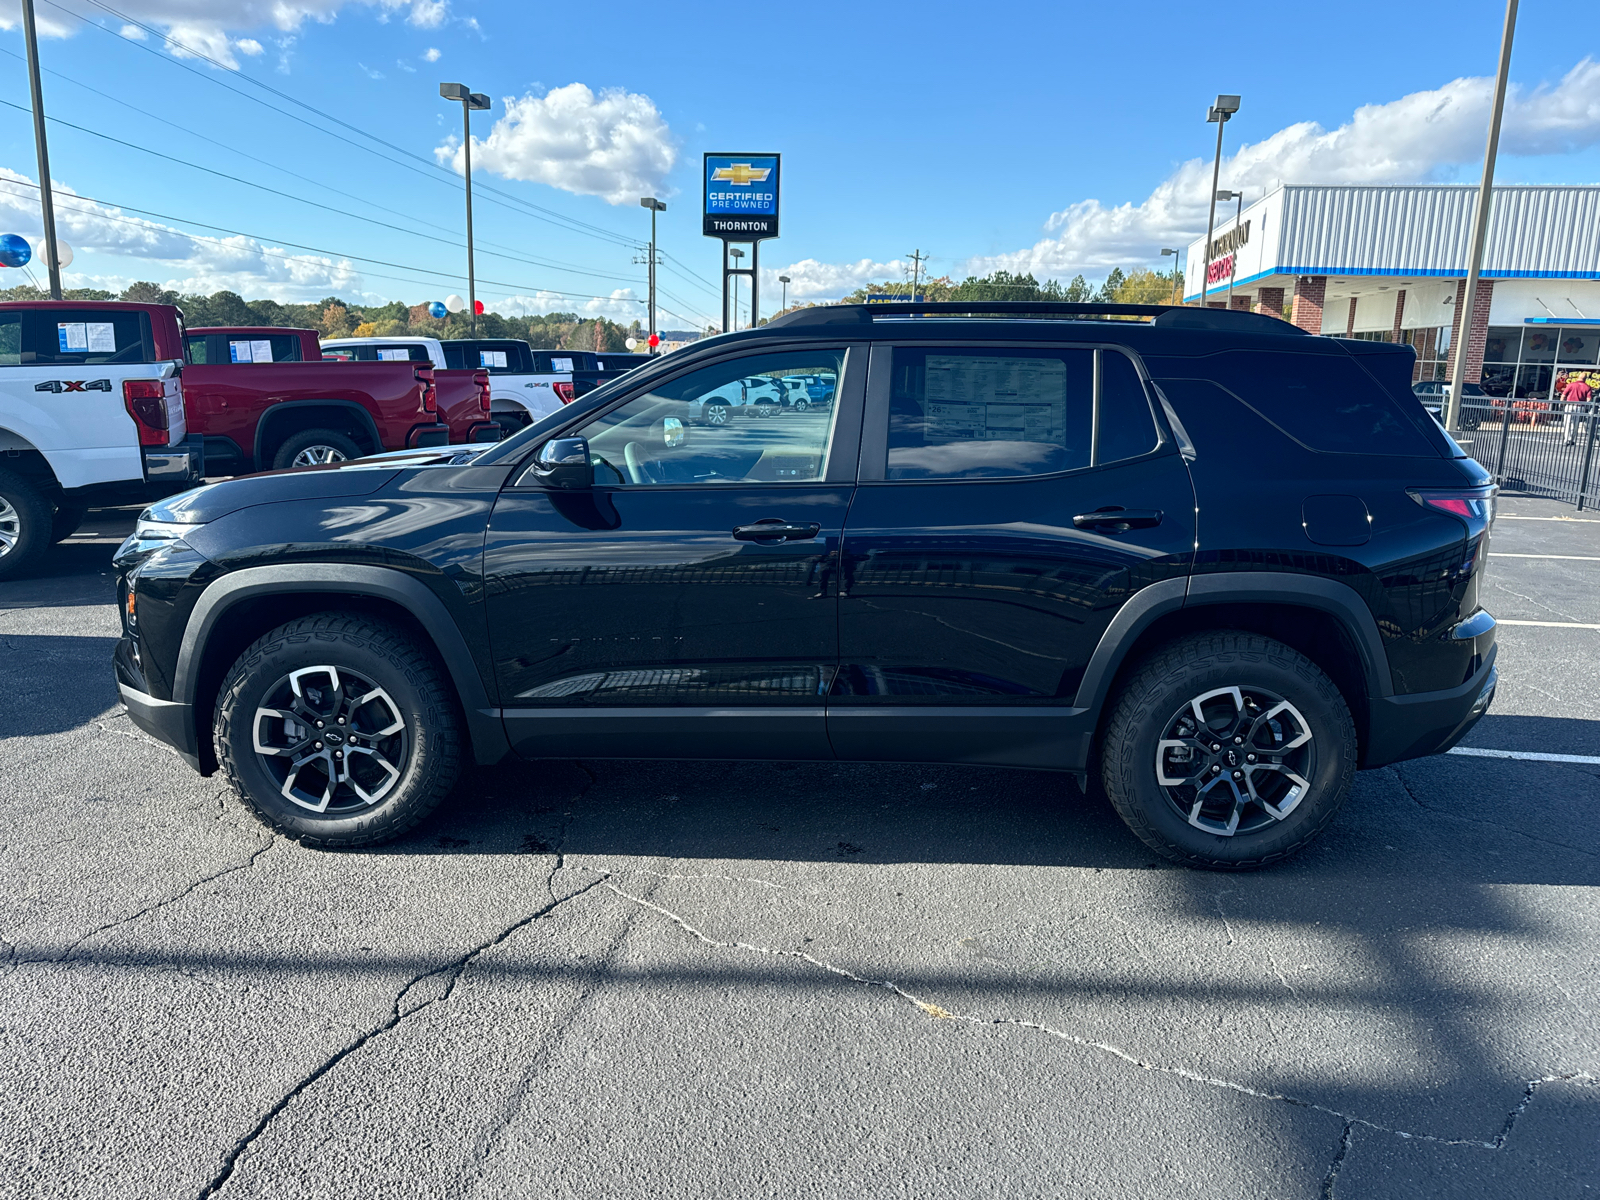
{"x":85,"y":337}
{"x":1326,"y":402}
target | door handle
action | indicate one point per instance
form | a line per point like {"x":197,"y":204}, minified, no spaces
{"x":776,"y":529}
{"x":1116,"y":519}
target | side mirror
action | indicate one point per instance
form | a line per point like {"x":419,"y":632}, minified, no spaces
{"x":564,"y":463}
{"x":672,"y":432}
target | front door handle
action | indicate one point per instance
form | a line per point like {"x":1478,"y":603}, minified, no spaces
{"x":1115,"y":519}
{"x":775,"y":529}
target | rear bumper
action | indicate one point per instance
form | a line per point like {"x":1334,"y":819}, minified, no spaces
{"x":485,"y":431}
{"x":1426,"y":723}
{"x":428,"y":435}
{"x":176,"y":467}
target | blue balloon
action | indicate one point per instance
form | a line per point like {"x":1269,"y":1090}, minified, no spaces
{"x":435,"y":309}
{"x":15,"y":251}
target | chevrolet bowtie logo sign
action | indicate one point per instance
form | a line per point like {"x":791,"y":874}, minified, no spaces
{"x":742,"y":174}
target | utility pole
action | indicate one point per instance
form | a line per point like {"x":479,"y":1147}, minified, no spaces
{"x":655,"y":206}
{"x":471,"y":102}
{"x":46,"y":203}
{"x":1480,"y":227}
{"x":917,"y":258}
{"x":1219,"y":113}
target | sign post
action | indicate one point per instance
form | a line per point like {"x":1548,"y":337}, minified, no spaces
{"x":741,"y":206}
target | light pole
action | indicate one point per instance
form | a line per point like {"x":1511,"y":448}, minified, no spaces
{"x":470,"y":102}
{"x":737,"y":255}
{"x":1480,"y":228}
{"x":1219,"y":113}
{"x":784,"y":302}
{"x":1238,"y":215}
{"x":1177,"y":288}
{"x":917,"y":258}
{"x":655,"y":206}
{"x":46,"y":203}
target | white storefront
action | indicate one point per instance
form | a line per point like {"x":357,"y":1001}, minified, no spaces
{"x":1389,"y":263}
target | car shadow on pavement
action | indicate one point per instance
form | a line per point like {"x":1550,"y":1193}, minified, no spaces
{"x":53,"y":683}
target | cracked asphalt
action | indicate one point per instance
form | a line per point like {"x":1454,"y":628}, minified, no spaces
{"x":747,"y":980}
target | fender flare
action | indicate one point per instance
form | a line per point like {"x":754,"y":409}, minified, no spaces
{"x":1145,"y":606}
{"x":487,"y":733}
{"x":272,"y":417}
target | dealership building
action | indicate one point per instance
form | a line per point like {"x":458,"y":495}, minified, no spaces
{"x":1390,"y":264}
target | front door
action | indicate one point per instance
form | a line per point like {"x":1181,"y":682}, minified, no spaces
{"x":685,"y":605}
{"x":1012,"y":497}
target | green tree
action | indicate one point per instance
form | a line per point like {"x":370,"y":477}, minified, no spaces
{"x":1108,"y":289}
{"x":1145,"y":287}
{"x":144,"y":292}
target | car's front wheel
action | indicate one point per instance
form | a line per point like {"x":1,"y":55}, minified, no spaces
{"x":1228,"y":750}
{"x":717,"y":414}
{"x":313,"y":448}
{"x":338,"y":730}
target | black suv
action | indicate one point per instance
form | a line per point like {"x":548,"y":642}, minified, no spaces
{"x":1217,"y":561}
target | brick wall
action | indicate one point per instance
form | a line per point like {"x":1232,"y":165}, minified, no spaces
{"x":1241,"y":303}
{"x":1271,"y":302}
{"x":1399,"y":315}
{"x":1309,"y":293}
{"x":1478,"y":331}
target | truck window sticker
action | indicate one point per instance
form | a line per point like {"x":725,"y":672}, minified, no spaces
{"x":492,"y":358}
{"x":561,"y":364}
{"x":102,"y":337}
{"x":394,"y":355}
{"x":74,"y":336}
{"x":250,"y":350}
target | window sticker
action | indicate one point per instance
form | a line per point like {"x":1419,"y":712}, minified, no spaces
{"x":102,"y":337}
{"x":250,"y":351}
{"x":261,"y":351}
{"x":561,"y":364}
{"x":492,"y":358}
{"x":996,"y":399}
{"x":394,"y":356}
{"x":74,"y":336}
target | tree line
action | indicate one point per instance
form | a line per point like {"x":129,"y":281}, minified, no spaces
{"x":336,"y":318}
{"x":1139,"y":287}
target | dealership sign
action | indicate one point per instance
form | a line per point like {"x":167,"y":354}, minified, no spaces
{"x":741,"y":196}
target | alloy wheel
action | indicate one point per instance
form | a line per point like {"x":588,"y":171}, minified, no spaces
{"x":10,"y":526}
{"x":1236,"y":760}
{"x":332,"y":739}
{"x":717,"y":414}
{"x":318,"y":455}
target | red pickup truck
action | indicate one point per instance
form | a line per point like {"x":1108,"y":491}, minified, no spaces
{"x":266,"y":398}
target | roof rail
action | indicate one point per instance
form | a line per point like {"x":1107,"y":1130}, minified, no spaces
{"x":1166,"y":316}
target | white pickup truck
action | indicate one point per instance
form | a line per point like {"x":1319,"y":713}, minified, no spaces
{"x":524,"y":384}
{"x":91,"y":413}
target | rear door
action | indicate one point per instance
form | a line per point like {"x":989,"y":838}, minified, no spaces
{"x":1012,"y":498}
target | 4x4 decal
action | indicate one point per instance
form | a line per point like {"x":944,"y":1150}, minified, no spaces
{"x":73,"y":385}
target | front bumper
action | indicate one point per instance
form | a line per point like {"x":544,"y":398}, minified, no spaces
{"x":168,"y":721}
{"x":1424,"y":723}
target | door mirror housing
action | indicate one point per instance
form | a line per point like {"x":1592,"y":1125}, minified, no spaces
{"x":564,"y":463}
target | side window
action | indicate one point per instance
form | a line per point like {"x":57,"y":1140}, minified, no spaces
{"x":1001,"y":412}
{"x":1326,"y":402}
{"x":722,"y":424}
{"x":10,"y":339}
{"x":196,"y":349}
{"x":85,"y":337}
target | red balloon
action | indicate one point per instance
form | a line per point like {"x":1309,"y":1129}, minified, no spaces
{"x":477,"y":307}
{"x":655,"y":340}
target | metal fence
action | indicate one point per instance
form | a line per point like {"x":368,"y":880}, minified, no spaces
{"x":1538,"y":447}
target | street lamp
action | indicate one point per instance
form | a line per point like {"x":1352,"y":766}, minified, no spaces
{"x":1219,"y":113}
{"x":655,"y":206}
{"x":470,"y":102}
{"x":1177,"y":293}
{"x":1238,"y":214}
{"x":737,"y":255}
{"x":786,"y":281}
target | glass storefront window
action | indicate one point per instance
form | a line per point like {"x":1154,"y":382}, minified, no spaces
{"x":1539,"y":345}
{"x":1502,"y":344}
{"x":1580,"y":346}
{"x":1498,"y":378}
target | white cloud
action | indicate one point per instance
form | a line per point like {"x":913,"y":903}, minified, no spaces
{"x":813,"y":280}
{"x":1418,"y":138}
{"x":615,"y":145}
{"x":405,"y":66}
{"x":432,"y":55}
{"x":369,"y":72}
{"x":622,"y":306}
{"x":133,"y":33}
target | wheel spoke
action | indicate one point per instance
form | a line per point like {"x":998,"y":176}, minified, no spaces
{"x":1280,"y":809}
{"x":396,"y":723}
{"x":294,"y":742}
{"x":1197,"y":758}
{"x":330,"y":774}
{"x":331,"y":739}
{"x":1225,"y":828}
{"x":391,"y":774}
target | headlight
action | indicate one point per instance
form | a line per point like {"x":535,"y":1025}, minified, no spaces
{"x":146,"y":530}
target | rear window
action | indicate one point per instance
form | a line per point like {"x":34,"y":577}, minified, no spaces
{"x":378,"y":353}
{"x":1326,"y":402}
{"x":277,"y":347}
{"x":557,"y":362}
{"x":85,"y":337}
{"x":498,"y":358}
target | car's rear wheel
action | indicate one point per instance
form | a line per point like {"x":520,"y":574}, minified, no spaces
{"x":338,"y":730}
{"x":802,"y":406}
{"x":314,"y":447}
{"x":1228,"y":751}
{"x":717,"y":414}
{"x":24,"y":524}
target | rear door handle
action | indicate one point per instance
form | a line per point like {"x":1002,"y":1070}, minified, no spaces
{"x":1114,"y":519}
{"x":775,"y":529}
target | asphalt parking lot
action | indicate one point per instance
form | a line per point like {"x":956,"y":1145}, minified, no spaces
{"x":621,"y":980}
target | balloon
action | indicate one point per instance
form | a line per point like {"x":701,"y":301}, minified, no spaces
{"x":632,"y":343}
{"x":436,"y":310}
{"x":454,"y":303}
{"x":477,"y":307}
{"x":63,"y":252}
{"x":14,"y":251}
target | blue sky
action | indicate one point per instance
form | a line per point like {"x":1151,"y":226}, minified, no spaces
{"x":1059,"y":138}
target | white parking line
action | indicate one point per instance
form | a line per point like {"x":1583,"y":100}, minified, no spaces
{"x":1574,"y":520}
{"x":1549,"y":624}
{"x":1563,"y":557}
{"x":1528,"y":756}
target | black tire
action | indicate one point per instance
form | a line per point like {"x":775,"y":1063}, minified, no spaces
{"x":324,"y":445}
{"x":1151,"y":707}
{"x":67,"y":519}
{"x":424,"y":754}
{"x":24,"y":525}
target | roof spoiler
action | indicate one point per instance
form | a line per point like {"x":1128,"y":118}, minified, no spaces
{"x":1164,"y":316}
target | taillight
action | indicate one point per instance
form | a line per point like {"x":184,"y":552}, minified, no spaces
{"x":146,"y":401}
{"x":481,"y":378}
{"x":1470,"y":504}
{"x":565,"y":391}
{"x":430,"y":399}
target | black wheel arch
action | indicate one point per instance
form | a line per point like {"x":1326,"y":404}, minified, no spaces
{"x":281,"y":421}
